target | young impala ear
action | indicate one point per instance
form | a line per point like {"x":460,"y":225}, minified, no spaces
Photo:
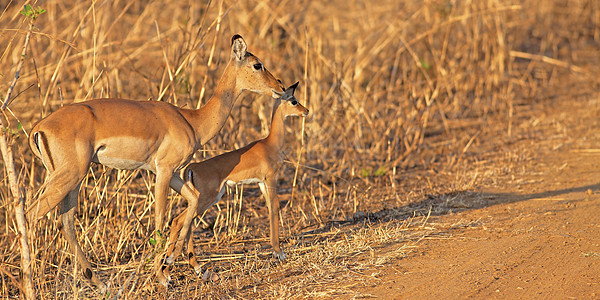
{"x":238,"y":47}
{"x":289,"y":92}
{"x":294,"y":86}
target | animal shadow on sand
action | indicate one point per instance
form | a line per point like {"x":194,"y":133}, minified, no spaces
{"x":443,"y":204}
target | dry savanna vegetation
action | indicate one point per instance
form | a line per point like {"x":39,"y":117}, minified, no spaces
{"x":401,"y":95}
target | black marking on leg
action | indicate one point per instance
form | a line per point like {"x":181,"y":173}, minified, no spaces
{"x":190,"y":255}
{"x":88,"y":274}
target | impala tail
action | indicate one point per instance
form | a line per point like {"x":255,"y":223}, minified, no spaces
{"x":39,"y":146}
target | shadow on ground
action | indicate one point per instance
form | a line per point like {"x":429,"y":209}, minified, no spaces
{"x":438,"y":205}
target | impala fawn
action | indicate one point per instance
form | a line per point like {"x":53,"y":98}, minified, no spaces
{"x":259,"y":162}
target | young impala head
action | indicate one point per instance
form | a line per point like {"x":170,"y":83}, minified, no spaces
{"x":252,"y":74}
{"x":289,"y":105}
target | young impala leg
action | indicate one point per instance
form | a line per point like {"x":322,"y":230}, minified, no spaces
{"x":269,"y":191}
{"x":203,"y":202}
{"x":176,"y":227}
{"x":182,"y":226}
{"x":191,"y":254}
{"x":68,"y":208}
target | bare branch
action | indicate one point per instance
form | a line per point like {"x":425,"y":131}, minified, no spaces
{"x":9,"y":163}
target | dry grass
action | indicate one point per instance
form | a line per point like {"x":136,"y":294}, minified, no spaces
{"x":400,"y":94}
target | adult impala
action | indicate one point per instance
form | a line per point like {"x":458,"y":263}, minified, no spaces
{"x":259,"y":162}
{"x":126,"y":134}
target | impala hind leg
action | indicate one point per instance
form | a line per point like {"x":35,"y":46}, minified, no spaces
{"x":176,"y":227}
{"x":269,"y":191}
{"x":68,"y":209}
{"x":56,"y":188}
{"x":191,"y":254}
{"x":208,"y":199}
{"x":174,"y":234}
{"x":67,"y":166}
{"x":181,"y":226}
{"x":204,"y":201}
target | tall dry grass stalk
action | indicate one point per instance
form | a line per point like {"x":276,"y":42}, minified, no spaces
{"x":393,"y":87}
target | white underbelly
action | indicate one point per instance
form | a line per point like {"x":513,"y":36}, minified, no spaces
{"x":121,"y":163}
{"x":245,"y":181}
{"x":125,"y":153}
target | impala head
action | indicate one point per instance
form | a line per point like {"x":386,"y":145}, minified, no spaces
{"x":289,"y":105}
{"x":251,"y":74}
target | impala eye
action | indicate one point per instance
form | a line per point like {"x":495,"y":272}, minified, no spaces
{"x":257,"y":66}
{"x":294,"y":102}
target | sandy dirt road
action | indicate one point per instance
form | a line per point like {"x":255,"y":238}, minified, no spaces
{"x":535,"y":235}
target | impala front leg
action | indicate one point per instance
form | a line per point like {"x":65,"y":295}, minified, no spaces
{"x":160,"y":194}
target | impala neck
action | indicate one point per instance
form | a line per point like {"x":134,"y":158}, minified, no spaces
{"x":276,"y":135}
{"x":210,"y":118}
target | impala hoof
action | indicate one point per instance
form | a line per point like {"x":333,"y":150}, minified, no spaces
{"x":164,"y":276}
{"x":103,"y":289}
{"x":169,"y":260}
{"x":198,"y":270}
{"x":210,"y":276}
{"x":279,"y":255}
{"x":164,"y":282}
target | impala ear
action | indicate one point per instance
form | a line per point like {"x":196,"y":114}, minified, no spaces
{"x":294,"y":86}
{"x":289,"y":92}
{"x":238,"y":47}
